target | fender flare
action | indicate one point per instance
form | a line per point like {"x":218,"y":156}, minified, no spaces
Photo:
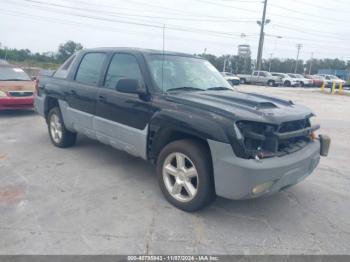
{"x":166,"y":123}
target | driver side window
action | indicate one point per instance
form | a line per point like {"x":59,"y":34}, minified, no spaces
{"x":122,"y":66}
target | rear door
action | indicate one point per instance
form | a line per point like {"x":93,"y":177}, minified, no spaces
{"x":122,"y":118}
{"x":82,"y":92}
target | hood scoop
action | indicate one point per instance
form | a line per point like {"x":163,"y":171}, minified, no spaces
{"x":253,"y":103}
{"x":265,"y":105}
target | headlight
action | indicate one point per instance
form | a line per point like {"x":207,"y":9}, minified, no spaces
{"x":2,"y":94}
{"x":256,"y":138}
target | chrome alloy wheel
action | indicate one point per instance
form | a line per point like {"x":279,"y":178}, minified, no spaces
{"x":180,"y":177}
{"x":56,"y":128}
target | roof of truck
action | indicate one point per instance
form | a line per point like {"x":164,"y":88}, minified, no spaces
{"x":137,"y":50}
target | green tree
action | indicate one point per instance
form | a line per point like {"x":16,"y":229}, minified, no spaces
{"x":67,"y":49}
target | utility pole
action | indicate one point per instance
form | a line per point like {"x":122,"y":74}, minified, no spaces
{"x":224,"y":69}
{"x":262,"y":35}
{"x":311,"y":59}
{"x":299,"y":46}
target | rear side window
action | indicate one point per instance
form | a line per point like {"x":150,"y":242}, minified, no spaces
{"x":63,"y":70}
{"x":90,"y":68}
{"x":255,"y":73}
{"x":122,"y":66}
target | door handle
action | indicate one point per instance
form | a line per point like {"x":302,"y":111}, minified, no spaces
{"x":101,"y":98}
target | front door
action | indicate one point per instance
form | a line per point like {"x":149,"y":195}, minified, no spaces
{"x":121,"y":118}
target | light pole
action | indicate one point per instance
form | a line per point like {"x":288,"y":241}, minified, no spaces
{"x":262,"y":24}
{"x":271,"y":54}
{"x":299,"y":46}
{"x":270,"y":62}
{"x":5,"y":52}
{"x":312,"y":57}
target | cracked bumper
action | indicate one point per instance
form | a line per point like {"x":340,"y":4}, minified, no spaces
{"x":235,"y":177}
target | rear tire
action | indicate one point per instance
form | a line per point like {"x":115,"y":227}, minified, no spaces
{"x":243,"y":81}
{"x":59,"y":135}
{"x":302,"y":84}
{"x":184,"y":172}
{"x":271,"y":83}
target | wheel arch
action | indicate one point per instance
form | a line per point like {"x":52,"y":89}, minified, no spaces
{"x":50,"y":102}
{"x":163,"y":136}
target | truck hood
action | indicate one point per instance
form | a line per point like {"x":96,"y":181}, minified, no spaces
{"x":6,"y":86}
{"x":243,"y":106}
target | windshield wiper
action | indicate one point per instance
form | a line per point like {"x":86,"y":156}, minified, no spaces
{"x":219,"y":88}
{"x":186,"y":88}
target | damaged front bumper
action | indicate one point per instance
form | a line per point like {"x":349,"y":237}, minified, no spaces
{"x":238,"y":178}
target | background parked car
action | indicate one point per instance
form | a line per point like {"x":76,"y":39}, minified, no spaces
{"x":286,"y":79}
{"x":302,"y":80}
{"x":332,"y":78}
{"x":260,"y":77}
{"x":317,"y":80}
{"x":231,"y":78}
{"x":16,"y":88}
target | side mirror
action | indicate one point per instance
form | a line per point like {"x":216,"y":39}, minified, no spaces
{"x":131,"y":86}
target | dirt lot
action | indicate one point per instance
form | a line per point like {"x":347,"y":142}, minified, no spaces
{"x":92,"y":199}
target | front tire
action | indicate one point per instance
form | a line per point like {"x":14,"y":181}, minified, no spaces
{"x":243,"y":81}
{"x":271,"y":83}
{"x":184,"y":172}
{"x":59,"y":135}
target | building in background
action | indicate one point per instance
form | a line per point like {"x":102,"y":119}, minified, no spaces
{"x":244,"y":50}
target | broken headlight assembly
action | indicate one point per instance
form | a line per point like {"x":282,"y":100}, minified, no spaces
{"x":262,"y":140}
{"x":257,"y":139}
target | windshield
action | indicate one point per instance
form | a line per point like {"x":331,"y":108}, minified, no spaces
{"x":13,"y":74}
{"x":299,"y":76}
{"x":176,"y":72}
{"x":292,"y":76}
{"x":333,"y":77}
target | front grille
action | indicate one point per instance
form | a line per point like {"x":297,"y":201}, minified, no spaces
{"x":20,"y":93}
{"x":293,"y":125}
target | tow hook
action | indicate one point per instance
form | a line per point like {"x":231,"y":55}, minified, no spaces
{"x":325,"y":142}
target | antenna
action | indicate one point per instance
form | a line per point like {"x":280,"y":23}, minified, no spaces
{"x":163,"y":57}
{"x":163,"y":38}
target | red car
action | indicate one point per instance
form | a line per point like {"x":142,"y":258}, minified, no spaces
{"x":316,"y":79}
{"x":16,"y":88}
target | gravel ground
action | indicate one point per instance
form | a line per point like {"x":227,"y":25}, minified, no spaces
{"x":92,"y":199}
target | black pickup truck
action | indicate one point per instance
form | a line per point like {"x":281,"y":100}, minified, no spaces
{"x":177,"y":111}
